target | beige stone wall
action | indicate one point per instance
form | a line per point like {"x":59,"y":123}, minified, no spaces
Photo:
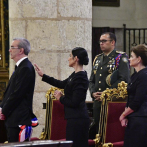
{"x":140,"y":14}
{"x":131,"y":12}
{"x":53,"y":28}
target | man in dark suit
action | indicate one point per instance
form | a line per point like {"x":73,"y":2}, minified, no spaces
{"x":16,"y":107}
{"x":109,"y":68}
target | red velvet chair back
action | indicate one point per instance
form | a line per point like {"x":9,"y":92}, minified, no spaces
{"x":58,"y":123}
{"x":114,"y":130}
{"x":55,"y":124}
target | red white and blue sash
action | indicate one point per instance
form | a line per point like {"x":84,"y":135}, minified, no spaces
{"x":26,"y":131}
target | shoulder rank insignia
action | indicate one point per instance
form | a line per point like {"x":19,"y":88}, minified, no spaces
{"x":125,"y":59}
{"x":96,"y":57}
{"x":120,"y":52}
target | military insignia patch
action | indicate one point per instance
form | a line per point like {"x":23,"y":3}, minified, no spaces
{"x":125,"y":59}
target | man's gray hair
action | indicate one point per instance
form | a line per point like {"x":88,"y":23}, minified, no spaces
{"x":25,"y":44}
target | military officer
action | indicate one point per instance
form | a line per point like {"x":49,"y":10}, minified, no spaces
{"x":109,"y":68}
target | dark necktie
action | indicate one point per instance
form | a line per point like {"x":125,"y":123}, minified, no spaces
{"x":104,"y":57}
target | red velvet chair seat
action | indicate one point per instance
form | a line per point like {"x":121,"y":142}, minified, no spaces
{"x":118,"y":144}
{"x":91,"y":142}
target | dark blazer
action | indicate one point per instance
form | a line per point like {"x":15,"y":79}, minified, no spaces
{"x":18,"y":97}
{"x":137,"y":93}
{"x":75,"y":89}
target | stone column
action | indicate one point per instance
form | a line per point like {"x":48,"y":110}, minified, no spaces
{"x":53,"y":28}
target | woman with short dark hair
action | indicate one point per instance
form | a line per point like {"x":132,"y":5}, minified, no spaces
{"x":134,"y":118}
{"x":75,"y":89}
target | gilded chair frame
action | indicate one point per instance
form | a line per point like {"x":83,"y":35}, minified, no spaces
{"x":46,"y":134}
{"x":109,"y":96}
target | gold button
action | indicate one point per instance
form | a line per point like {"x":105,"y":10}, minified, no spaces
{"x":99,"y":81}
{"x":100,"y":75}
{"x":101,"y":68}
{"x":99,"y":88}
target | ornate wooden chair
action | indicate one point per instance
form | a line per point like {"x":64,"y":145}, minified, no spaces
{"x":55,"y":124}
{"x":111,"y":133}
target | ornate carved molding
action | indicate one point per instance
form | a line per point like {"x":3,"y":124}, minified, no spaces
{"x":51,"y":91}
{"x":115,"y":94}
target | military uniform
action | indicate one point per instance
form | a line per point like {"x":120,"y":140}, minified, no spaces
{"x":107,"y":72}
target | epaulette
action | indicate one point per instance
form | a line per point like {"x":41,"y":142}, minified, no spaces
{"x":96,"y":57}
{"x":120,"y":52}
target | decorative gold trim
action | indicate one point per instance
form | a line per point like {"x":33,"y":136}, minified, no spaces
{"x":51,"y":91}
{"x":108,"y":79}
{"x":96,"y":58}
{"x":97,"y":138}
{"x":107,"y":145}
{"x":3,"y":34}
{"x":115,"y":94}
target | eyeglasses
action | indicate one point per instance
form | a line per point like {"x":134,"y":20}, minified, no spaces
{"x":13,"y":47}
{"x":103,"y":41}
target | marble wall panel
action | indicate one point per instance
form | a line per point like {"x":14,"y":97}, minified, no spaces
{"x":44,"y":34}
{"x":18,"y":29}
{"x":59,"y":35}
{"x":33,"y":8}
{"x":69,"y":8}
{"x":48,"y":62}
